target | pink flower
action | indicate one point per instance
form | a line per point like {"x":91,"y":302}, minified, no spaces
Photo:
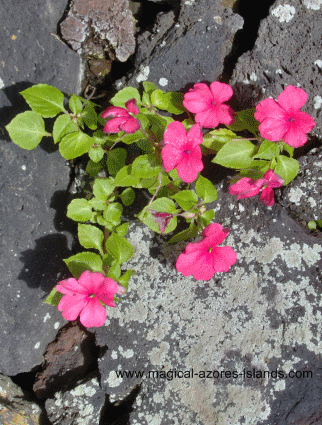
{"x":162,"y":219}
{"x":122,"y":120}
{"x":208,"y":105}
{"x":283,"y":119}
{"x":182,"y":150}
{"x":247,"y":187}
{"x":82,"y":297}
{"x":203,"y":259}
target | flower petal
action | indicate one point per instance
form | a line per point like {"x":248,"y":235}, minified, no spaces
{"x":267,"y":196}
{"x":272,"y":179}
{"x":107,"y":291}
{"x":207,"y":118}
{"x":114,"y":111}
{"x":292,"y":99}
{"x":245,"y":188}
{"x":221,"y":91}
{"x":198,"y":98}
{"x":70,"y":286}
{"x":195,"y":135}
{"x":91,"y":281}
{"x":215,"y":233}
{"x":130,"y":125}
{"x":132,"y":106}
{"x":171,"y":156}
{"x":295,"y":137}
{"x":94,"y":314}
{"x":223,"y":258}
{"x":175,"y":134}
{"x":113,"y":125}
{"x":273,"y":129}
{"x":269,"y":108}
{"x":304,"y":121}
{"x":225,"y":114}
{"x":72,"y":305}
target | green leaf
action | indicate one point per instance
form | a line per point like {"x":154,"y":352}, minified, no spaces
{"x":245,"y":120}
{"x":113,"y":213}
{"x":289,"y":149}
{"x":149,"y":87}
{"x":96,"y":153}
{"x":206,"y":217}
{"x":124,"y":95}
{"x":145,"y":145}
{"x":120,"y":248}
{"x":75,"y":144}
{"x":90,"y":117}
{"x":287,"y":168}
{"x":90,"y":237}
{"x":93,"y":168}
{"x":235,"y":154}
{"x":267,"y":150}
{"x":171,"y":102}
{"x":127,"y":196}
{"x":103,"y":188}
{"x":98,"y":204}
{"x":115,"y":160}
{"x":79,"y":210}
{"x":124,"y":279}
{"x":205,"y":190}
{"x":79,"y":263}
{"x":133,"y":137}
{"x":215,"y":139}
{"x":124,"y":178}
{"x":44,"y":99}
{"x":187,"y":199}
{"x":122,"y":229}
{"x":62,"y":126}
{"x":115,"y":271}
{"x":189,"y":233}
{"x":54,"y":297}
{"x":27,"y":129}
{"x":146,"y":166}
{"x":75,"y":104}
{"x":160,"y":205}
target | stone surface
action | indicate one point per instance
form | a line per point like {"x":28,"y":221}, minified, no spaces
{"x":109,"y":23}
{"x":16,"y":406}
{"x":34,"y":237}
{"x":79,"y":406}
{"x":303,"y":196}
{"x":186,"y":51}
{"x":287,"y":51}
{"x":265,"y":314}
{"x":67,"y":359}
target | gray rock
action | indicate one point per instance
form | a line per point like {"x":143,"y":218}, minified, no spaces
{"x":110,"y":23}
{"x":33,"y":238}
{"x":79,"y":406}
{"x":303,"y":196}
{"x":187,"y":51}
{"x":287,"y":51}
{"x":263,"y":315}
{"x":16,"y":406}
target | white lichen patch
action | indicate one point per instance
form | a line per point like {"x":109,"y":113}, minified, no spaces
{"x":158,"y":354}
{"x":253,"y":76}
{"x":313,"y":4}
{"x":295,"y":195}
{"x":2,"y":84}
{"x":218,"y":20}
{"x":163,"y":82}
{"x":48,"y":316}
{"x":143,"y":74}
{"x":284,"y":13}
{"x":318,"y":63}
{"x":317,"y":102}
{"x":112,"y":380}
{"x":37,"y":345}
{"x":126,"y":353}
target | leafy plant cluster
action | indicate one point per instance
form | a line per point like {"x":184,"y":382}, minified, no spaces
{"x":134,"y":161}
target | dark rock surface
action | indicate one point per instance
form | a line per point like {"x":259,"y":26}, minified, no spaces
{"x":186,"y":50}
{"x":81,"y":406}
{"x":68,"y":359}
{"x":287,"y":51}
{"x":33,"y":184}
